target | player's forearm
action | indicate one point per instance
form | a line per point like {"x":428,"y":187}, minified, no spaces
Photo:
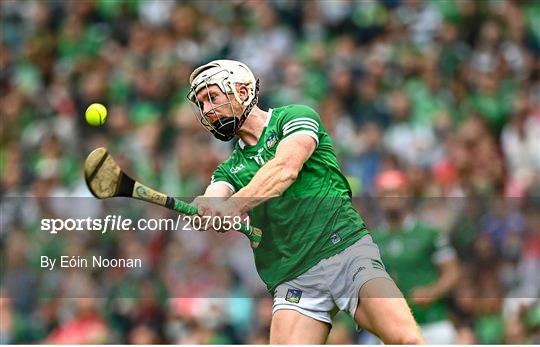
{"x":218,"y":190}
{"x":269,"y":182}
{"x":448,"y":279}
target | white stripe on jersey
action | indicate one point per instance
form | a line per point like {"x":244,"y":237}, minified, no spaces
{"x":316,"y":126}
{"x":302,"y":132}
{"x":308,"y":124}
{"x":300,"y":126}
{"x":300,"y":120}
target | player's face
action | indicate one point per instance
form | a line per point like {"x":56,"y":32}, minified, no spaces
{"x":214,"y":103}
{"x":220,"y":112}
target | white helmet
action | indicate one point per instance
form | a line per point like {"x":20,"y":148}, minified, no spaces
{"x":225,"y":74}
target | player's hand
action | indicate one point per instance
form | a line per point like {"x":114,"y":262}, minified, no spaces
{"x":204,"y":205}
{"x":229,"y":207}
{"x":204,"y":208}
{"x":217,"y":208}
{"x":423,"y":296}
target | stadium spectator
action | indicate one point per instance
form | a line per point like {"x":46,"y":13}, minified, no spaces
{"x":447,"y":92}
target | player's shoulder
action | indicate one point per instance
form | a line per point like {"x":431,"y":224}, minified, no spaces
{"x":292,"y":111}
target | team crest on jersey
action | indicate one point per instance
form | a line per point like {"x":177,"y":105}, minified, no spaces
{"x":271,"y":140}
{"x":293,"y":295}
{"x":335,"y":238}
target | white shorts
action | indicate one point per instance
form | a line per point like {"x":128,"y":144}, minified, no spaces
{"x":333,"y":284}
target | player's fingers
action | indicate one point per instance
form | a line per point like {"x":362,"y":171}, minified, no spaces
{"x":192,"y":223}
{"x":197,"y":201}
{"x":218,"y":213}
{"x":201,"y":210}
{"x":199,"y":222}
{"x":220,"y":226}
{"x":203,"y":215}
{"x":204,"y":210}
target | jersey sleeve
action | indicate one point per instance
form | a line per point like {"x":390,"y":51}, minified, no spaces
{"x":300,"y":119}
{"x":443,"y":250}
{"x":220,"y":175}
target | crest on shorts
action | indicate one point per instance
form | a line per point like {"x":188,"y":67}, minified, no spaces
{"x":293,"y":295}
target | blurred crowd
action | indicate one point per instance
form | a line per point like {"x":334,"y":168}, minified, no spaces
{"x":446,"y":91}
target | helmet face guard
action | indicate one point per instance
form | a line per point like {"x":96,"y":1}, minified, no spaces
{"x":226,"y":127}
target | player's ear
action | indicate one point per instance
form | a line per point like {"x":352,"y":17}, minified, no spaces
{"x":243,"y":91}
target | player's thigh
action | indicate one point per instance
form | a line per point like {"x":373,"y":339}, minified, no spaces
{"x":292,"y":327}
{"x":383,"y":311}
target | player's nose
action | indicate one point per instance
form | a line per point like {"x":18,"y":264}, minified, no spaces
{"x":210,"y":112}
{"x":208,"y":108}
{"x":205,"y":107}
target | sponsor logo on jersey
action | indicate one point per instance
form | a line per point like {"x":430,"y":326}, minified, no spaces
{"x":271,"y":140}
{"x":335,"y":238}
{"x":237,"y":168}
{"x":293,"y":295}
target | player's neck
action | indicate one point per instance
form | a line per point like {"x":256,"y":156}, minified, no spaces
{"x":253,"y":127}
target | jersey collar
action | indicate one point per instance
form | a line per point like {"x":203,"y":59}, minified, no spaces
{"x":242,"y":144}
{"x":268,"y":117}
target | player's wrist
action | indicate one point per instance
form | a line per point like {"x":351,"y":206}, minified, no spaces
{"x":241,"y":201}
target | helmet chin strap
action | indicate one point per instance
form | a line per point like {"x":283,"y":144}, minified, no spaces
{"x":225,"y":129}
{"x":249,"y":107}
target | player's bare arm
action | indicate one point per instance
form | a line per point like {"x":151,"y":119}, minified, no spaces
{"x":449,"y":275}
{"x":278,"y":174}
{"x":269,"y":182}
{"x":218,"y":190}
{"x":214,"y":193}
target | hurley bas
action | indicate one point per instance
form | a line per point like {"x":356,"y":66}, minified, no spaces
{"x":78,"y":262}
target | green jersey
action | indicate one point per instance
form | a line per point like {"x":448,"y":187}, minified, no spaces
{"x":411,"y":257}
{"x":314,"y":218}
